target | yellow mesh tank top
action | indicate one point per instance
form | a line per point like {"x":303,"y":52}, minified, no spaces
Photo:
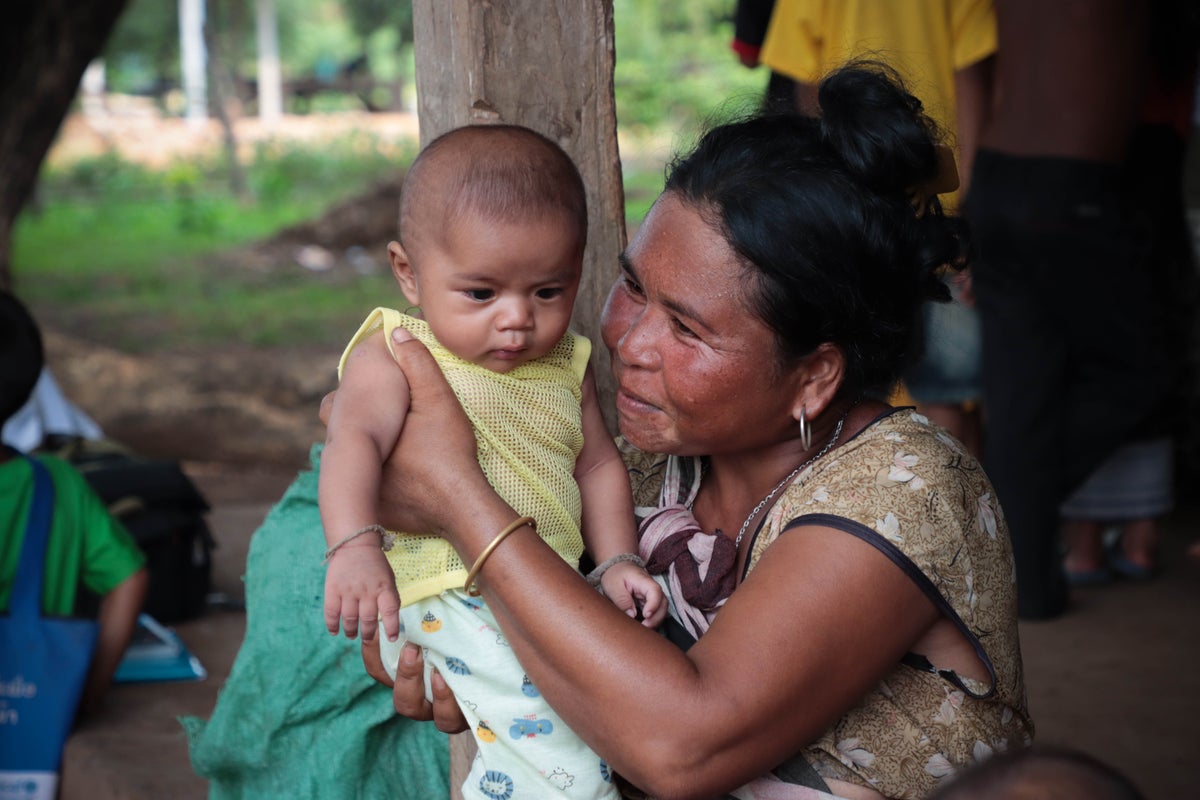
{"x":529,"y":432}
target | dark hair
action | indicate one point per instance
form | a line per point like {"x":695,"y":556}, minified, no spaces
{"x":504,"y":173}
{"x":821,"y":211}
{"x":21,"y":355}
{"x":1039,"y":773}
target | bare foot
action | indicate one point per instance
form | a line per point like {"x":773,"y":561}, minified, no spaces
{"x":1085,"y":549}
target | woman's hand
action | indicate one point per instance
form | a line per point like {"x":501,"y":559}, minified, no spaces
{"x":408,"y":690}
{"x":433,"y":471}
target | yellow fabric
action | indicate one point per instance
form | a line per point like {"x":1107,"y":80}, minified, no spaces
{"x":529,"y":432}
{"x":926,"y":41}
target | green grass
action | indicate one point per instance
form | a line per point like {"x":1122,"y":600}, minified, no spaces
{"x":139,"y":259}
{"x":130,"y":235}
{"x":642,"y":187}
{"x":136,"y":257}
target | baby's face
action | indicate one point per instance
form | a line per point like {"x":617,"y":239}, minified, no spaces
{"x":500,"y":294}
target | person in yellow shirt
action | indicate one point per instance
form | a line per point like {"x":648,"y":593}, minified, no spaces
{"x":944,"y":51}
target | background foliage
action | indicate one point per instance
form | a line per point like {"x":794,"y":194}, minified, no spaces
{"x":133,"y":254}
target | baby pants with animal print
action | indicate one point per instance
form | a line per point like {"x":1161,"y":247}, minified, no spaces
{"x":525,"y":750}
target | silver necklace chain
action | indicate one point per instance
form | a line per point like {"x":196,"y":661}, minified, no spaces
{"x":829,"y":446}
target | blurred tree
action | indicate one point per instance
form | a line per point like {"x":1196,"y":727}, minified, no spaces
{"x":142,"y":56}
{"x":370,"y":17}
{"x":674,"y":65}
{"x":226,"y":22}
{"x":45,"y":45}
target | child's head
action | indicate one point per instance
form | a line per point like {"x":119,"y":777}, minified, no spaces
{"x":21,"y":356}
{"x":1040,"y":773}
{"x":493,"y":223}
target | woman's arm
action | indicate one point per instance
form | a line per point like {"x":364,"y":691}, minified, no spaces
{"x":822,"y":618}
{"x":973,"y":89}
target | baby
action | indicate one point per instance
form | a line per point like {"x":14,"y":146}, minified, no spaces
{"x":493,"y":223}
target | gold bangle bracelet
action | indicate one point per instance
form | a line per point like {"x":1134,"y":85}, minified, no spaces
{"x":519,"y":522}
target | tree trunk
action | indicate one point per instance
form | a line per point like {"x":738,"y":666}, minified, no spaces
{"x":269,"y":80}
{"x":547,"y":65}
{"x":45,"y":45}
{"x":222,"y":87}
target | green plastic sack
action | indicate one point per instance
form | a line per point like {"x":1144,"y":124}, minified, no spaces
{"x":299,"y":717}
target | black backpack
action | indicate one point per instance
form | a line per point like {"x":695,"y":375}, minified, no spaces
{"x":163,"y":510}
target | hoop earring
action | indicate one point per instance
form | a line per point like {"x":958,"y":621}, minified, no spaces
{"x":805,"y":429}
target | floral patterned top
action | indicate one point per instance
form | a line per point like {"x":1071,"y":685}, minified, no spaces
{"x":911,"y":490}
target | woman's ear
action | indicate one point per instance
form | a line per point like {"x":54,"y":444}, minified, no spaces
{"x":405,"y":275}
{"x":820,"y":378}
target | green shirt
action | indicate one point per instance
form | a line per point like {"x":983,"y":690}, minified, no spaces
{"x":86,"y":543}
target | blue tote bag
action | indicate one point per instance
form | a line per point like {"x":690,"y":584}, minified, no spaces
{"x":43,"y":665}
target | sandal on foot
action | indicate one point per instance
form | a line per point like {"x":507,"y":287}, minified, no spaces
{"x":1089,"y":577}
{"x":1128,"y":569}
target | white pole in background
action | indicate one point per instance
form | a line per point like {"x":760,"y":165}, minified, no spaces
{"x":192,"y":54}
{"x":270,"y":84}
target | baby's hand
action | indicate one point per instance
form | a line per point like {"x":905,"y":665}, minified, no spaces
{"x":630,"y":587}
{"x":360,"y":588}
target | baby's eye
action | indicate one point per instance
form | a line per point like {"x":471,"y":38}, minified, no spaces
{"x":549,"y":293}
{"x":480,"y":294}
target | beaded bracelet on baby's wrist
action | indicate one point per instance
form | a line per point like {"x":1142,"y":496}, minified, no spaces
{"x":595,"y":575}
{"x":386,"y":539}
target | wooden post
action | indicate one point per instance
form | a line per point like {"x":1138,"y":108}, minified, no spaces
{"x":547,"y":65}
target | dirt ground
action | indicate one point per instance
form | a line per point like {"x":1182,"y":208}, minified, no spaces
{"x":237,"y":407}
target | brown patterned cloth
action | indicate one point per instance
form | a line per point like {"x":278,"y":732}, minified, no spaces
{"x":909,"y":489}
{"x":697,"y":567}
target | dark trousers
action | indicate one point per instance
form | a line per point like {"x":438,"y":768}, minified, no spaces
{"x":1073,"y":358}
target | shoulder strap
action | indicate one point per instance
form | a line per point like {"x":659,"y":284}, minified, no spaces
{"x":26,"y":597}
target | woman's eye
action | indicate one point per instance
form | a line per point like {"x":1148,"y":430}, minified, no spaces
{"x":480,"y":294}
{"x":549,"y":293}
{"x":682,"y":329}
{"x":632,"y":286}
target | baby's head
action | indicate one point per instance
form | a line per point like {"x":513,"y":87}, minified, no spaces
{"x":21,"y":355}
{"x":493,"y":223}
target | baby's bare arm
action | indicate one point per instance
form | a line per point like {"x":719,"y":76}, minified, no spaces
{"x":368,"y":413}
{"x":609,"y":528}
{"x":608,"y":524}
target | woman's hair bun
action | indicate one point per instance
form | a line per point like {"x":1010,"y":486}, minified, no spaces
{"x":824,"y":216}
{"x":877,"y":128}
